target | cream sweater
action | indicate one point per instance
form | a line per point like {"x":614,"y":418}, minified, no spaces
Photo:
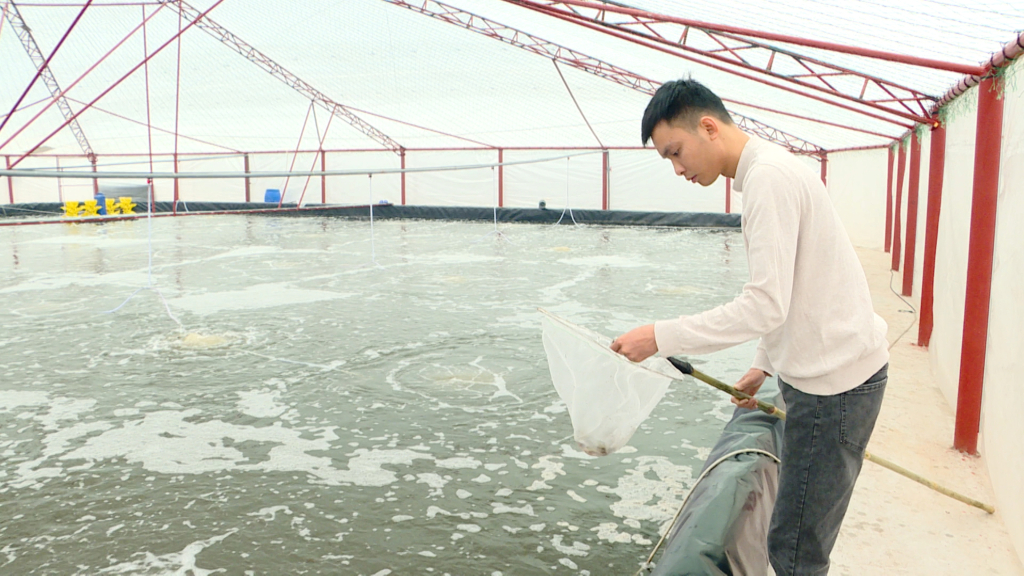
{"x":807,"y":298}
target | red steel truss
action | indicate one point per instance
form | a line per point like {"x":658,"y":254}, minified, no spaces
{"x":735,"y":47}
{"x":558,"y":53}
{"x":263,"y":61}
{"x":24,"y":33}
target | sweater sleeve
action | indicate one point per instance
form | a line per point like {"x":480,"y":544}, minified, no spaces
{"x":761,"y":360}
{"x":771,"y":225}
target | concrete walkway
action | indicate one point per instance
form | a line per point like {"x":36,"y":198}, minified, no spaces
{"x":894,"y":525}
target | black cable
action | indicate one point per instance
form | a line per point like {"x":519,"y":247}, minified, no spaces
{"x":892,"y":275}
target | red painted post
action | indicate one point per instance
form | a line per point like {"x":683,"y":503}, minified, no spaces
{"x":912,"y":190}
{"x":728,"y":195}
{"x":605,"y":170}
{"x":95,"y":181}
{"x":823,"y":160}
{"x":979,"y":264}
{"x":323,"y":177}
{"x":897,"y":242}
{"x":247,"y":182}
{"x":936,"y":168}
{"x":10,"y":181}
{"x":402,"y":154}
{"x":501,"y":178}
{"x":888,"y":203}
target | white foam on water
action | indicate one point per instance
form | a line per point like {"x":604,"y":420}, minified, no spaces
{"x":401,"y":518}
{"x":97,"y":240}
{"x":554,"y":293}
{"x":471,"y":528}
{"x":498,"y":382}
{"x":270,"y":513}
{"x":11,"y":399}
{"x":572,"y":494}
{"x":499,"y":508}
{"x":64,"y":281}
{"x":482,"y":479}
{"x":650,"y":499}
{"x":253,"y":297}
{"x":609,"y":531}
{"x":384,"y":572}
{"x":722,"y":408}
{"x":455,"y":258}
{"x":263,"y":403}
{"x":165,"y":442}
{"x":175,"y":563}
{"x":434,"y":481}
{"x":461,"y":462}
{"x":577,"y":548}
{"x":463,"y":494}
{"x":609,"y":261}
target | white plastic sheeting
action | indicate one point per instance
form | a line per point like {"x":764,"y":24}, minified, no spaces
{"x":856,"y":184}
{"x":950,"y":287}
{"x":1002,"y":425}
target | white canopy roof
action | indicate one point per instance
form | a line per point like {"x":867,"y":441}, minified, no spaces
{"x":425,"y":83}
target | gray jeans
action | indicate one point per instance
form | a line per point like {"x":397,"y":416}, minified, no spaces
{"x":822,"y":452}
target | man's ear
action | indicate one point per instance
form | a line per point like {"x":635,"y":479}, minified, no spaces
{"x":709,"y":125}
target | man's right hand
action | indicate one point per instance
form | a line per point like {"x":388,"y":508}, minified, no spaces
{"x":750,"y":383}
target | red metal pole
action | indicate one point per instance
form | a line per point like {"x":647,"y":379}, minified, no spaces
{"x":897,"y":241}
{"x":177,"y":113}
{"x":10,"y":181}
{"x":823,"y":160}
{"x":95,"y":181}
{"x":936,"y":167}
{"x":402,"y":156}
{"x":247,"y":182}
{"x":323,"y":179}
{"x":605,"y":169}
{"x":979,"y":264}
{"x":501,"y":178}
{"x":728,"y":195}
{"x":888,"y":203}
{"x":912,"y":190}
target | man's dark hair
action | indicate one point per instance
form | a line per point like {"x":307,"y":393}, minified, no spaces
{"x":682,"y":101}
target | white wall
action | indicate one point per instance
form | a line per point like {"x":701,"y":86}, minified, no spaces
{"x":856,"y":184}
{"x":950,"y":288}
{"x":1003,"y":401}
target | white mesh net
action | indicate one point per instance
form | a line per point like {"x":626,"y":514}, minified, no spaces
{"x":607,"y":396}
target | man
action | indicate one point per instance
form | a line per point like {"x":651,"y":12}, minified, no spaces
{"x":808,"y":302}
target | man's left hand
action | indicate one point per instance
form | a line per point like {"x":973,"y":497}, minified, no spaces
{"x":638,"y":344}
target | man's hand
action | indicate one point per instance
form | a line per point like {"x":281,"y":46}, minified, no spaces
{"x":750,"y":383}
{"x":638,"y":344}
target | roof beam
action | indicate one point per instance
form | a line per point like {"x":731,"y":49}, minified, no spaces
{"x":606,"y":6}
{"x":568,"y":56}
{"x":42,"y":64}
{"x":728,"y":45}
{"x":277,"y":71}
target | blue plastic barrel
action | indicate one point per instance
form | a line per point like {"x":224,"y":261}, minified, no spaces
{"x":272,"y":195}
{"x":101,"y":203}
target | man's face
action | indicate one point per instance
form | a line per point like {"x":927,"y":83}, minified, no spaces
{"x":693,"y":152}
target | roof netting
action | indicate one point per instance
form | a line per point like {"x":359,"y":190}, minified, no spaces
{"x":426,"y":83}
